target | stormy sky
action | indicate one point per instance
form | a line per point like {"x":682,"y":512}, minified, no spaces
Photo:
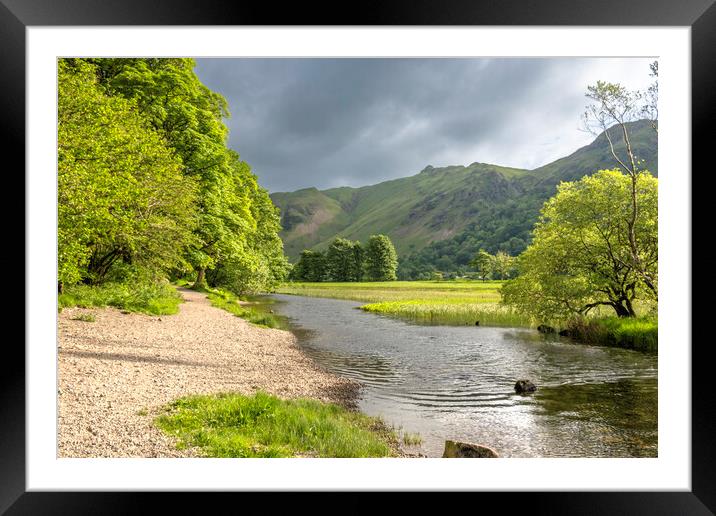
{"x":354,"y":122}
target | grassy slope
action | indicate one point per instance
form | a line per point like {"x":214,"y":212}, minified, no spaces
{"x":413,"y":211}
{"x":440,"y":203}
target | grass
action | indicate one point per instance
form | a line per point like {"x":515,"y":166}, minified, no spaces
{"x":154,"y":298}
{"x":234,"y":425}
{"x":412,"y":439}
{"x":452,"y":312}
{"x":464,"y":302}
{"x":641,"y":333}
{"x":85,"y":318}
{"x":380,"y":291}
{"x":229,"y":302}
{"x":433,"y":302}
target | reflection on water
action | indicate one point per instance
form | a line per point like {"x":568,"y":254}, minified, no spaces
{"x":613,"y":414}
{"x":457,"y":382}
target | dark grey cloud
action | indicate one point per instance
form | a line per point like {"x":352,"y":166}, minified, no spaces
{"x":352,"y":122}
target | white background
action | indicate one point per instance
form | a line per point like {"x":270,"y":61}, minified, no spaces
{"x":670,"y":471}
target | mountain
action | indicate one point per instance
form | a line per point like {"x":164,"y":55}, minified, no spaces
{"x":440,"y":217}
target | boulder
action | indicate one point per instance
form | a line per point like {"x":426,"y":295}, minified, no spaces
{"x":543,"y":328}
{"x":458,"y":450}
{"x":523,"y":386}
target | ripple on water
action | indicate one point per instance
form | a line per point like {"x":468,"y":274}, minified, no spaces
{"x":458,"y":382}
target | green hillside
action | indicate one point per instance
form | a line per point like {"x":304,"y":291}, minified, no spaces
{"x":438,"y":218}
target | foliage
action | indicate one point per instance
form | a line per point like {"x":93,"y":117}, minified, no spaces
{"x":145,"y":177}
{"x":235,"y":425}
{"x":503,"y":265}
{"x":580,"y":256}
{"x":614,"y":105}
{"x":344,"y":260}
{"x":149,"y":297}
{"x":381,"y":260}
{"x":310,"y":267}
{"x":500,"y":266}
{"x":640,"y":333}
{"x":230,"y":303}
{"x":482,"y":263}
{"x":121,"y":192}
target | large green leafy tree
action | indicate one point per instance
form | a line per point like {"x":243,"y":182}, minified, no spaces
{"x":121,"y":192}
{"x":311,"y":266}
{"x":381,"y":260}
{"x":236,"y":233}
{"x":261,"y":264}
{"x":581,"y":256}
{"x":344,"y":260}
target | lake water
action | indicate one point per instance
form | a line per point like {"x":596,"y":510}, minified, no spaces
{"x":447,"y":382}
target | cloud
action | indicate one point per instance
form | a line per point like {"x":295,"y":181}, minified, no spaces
{"x":351,"y":122}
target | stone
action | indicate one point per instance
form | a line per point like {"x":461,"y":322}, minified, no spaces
{"x":458,"y":450}
{"x":523,"y":386}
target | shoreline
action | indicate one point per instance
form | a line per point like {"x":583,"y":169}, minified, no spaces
{"x":600,"y":332}
{"x":115,"y":374}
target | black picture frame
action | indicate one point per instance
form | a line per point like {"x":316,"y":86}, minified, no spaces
{"x":700,"y":15}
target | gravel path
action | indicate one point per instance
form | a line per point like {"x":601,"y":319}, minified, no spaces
{"x":116,"y":373}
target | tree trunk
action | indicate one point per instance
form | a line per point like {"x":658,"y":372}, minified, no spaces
{"x":200,"y":279}
{"x":630,"y":307}
{"x":621,"y":310}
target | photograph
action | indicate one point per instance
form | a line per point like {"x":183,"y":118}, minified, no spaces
{"x":270,"y":257}
{"x":357,"y":257}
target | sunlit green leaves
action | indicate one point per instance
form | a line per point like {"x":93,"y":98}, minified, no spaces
{"x":121,"y":191}
{"x":580,"y":256}
{"x":146,"y":177}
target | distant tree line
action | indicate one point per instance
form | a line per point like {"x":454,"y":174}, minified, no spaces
{"x":347,"y":260}
{"x":506,"y":227}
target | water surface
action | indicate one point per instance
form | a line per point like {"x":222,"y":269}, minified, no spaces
{"x":447,"y":382}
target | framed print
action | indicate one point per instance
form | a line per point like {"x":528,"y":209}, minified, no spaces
{"x":629,"y":434}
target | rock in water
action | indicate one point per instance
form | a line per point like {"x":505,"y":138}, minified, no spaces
{"x":458,"y":450}
{"x":523,"y":386}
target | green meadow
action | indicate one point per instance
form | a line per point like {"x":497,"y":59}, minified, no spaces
{"x":430,"y":302}
{"x":469,"y":301}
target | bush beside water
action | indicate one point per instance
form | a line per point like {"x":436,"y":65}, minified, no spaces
{"x":640,"y":333}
